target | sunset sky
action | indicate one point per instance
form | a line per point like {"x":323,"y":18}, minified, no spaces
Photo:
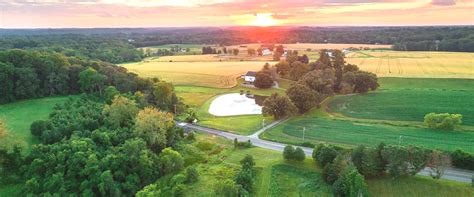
{"x":173,"y":13}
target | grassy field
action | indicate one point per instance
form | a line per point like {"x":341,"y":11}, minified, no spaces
{"x":209,"y":74}
{"x":314,"y":46}
{"x":194,"y":48}
{"x":19,"y":116}
{"x":420,"y":96}
{"x":414,"y":64}
{"x":276,"y":177}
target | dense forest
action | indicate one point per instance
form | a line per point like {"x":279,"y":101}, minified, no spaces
{"x":118,"y":45}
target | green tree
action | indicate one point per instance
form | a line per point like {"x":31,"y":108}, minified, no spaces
{"x":263,"y":80}
{"x":350,"y":183}
{"x":444,"y":121}
{"x":38,"y":126}
{"x":299,"y":155}
{"x":110,"y":93}
{"x":288,"y":152}
{"x":332,"y":171}
{"x":121,"y":112}
{"x":26,"y":83}
{"x":298,"y":69}
{"x":171,"y":161}
{"x":303,"y":97}
{"x":278,"y":106}
{"x":405,"y":161}
{"x":321,"y":81}
{"x":283,"y":68}
{"x":153,"y":126}
{"x":91,"y":81}
{"x":163,"y":96}
{"x":324,"y":154}
{"x":7,"y":83}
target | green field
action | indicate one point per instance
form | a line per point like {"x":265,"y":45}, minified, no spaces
{"x":19,"y":116}
{"x":288,"y":180}
{"x":349,"y":134}
{"x":410,"y":100}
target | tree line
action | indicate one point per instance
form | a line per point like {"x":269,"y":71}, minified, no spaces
{"x":313,"y":82}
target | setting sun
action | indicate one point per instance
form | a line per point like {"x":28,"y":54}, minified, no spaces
{"x":264,"y":20}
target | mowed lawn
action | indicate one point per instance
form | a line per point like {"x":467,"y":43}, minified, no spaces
{"x":424,"y":64}
{"x":19,"y":116}
{"x":411,"y":100}
{"x":208,"y":74}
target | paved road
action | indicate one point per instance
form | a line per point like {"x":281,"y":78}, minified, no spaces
{"x":450,"y":174}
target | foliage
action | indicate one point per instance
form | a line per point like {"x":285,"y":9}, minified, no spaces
{"x":350,"y":183}
{"x":297,"y":69}
{"x":38,"y":126}
{"x":321,"y":81}
{"x":290,"y":153}
{"x":444,"y":121}
{"x":171,"y":161}
{"x":120,"y":113}
{"x":245,"y":144}
{"x":333,"y":170}
{"x":368,"y":161}
{"x":156,"y":128}
{"x":226,"y":188}
{"x":263,"y":79}
{"x":91,"y":81}
{"x":462,"y":159}
{"x":245,"y":177}
{"x":324,"y":154}
{"x":192,"y":175}
{"x":438,"y":163}
{"x":404,"y":161}
{"x":278,"y":106}
{"x":303,"y":97}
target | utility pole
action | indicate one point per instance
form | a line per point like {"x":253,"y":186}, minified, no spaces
{"x":304,"y":129}
{"x":399,"y":140}
{"x":175,"y":110}
{"x":263,"y":123}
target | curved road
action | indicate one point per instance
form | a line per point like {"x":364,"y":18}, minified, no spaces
{"x":450,"y":174}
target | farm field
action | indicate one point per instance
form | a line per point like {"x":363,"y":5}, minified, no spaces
{"x":316,"y":46}
{"x":412,"y":64}
{"x":194,"y":48}
{"x":351,"y":133}
{"x":209,"y":74}
{"x":276,"y":177}
{"x":391,"y":102}
{"x":19,"y":116}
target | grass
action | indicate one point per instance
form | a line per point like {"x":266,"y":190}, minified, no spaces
{"x":350,"y":134}
{"x":418,"y":186}
{"x":414,"y":64}
{"x":288,"y":180}
{"x":276,"y":177}
{"x":392,"y":101}
{"x":19,"y":116}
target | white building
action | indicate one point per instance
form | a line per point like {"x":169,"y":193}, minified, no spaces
{"x":250,"y":76}
{"x":266,"y":52}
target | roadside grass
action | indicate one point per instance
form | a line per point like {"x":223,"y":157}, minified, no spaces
{"x":421,"y":64}
{"x":418,"y":186}
{"x":19,"y":116}
{"x":277,"y":177}
{"x":420,"y":96}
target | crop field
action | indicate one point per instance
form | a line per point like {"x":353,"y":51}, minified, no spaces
{"x":314,"y":46}
{"x":19,"y":116}
{"x":209,"y":74}
{"x":414,"y":64}
{"x":410,"y":103}
{"x":350,"y":134}
{"x":193,"y":48}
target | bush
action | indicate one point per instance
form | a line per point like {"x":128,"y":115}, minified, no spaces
{"x":324,"y":154}
{"x":192,"y":175}
{"x":444,"y":121}
{"x":288,"y":152}
{"x":461,"y":159}
{"x":299,"y":155}
{"x":38,"y":127}
{"x":307,"y":144}
{"x":246,"y":144}
{"x":226,"y":188}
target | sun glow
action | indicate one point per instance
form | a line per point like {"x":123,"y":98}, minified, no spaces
{"x":264,"y":20}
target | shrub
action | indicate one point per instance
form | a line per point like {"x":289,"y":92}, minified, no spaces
{"x":288,"y":152}
{"x":246,"y":144}
{"x":350,"y":183}
{"x":38,"y":127}
{"x":324,"y":154}
{"x":299,"y":155}
{"x":461,"y":159}
{"x":444,"y":121}
{"x":192,"y":175}
{"x":226,"y":188}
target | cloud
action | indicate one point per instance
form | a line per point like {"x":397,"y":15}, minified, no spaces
{"x":443,"y":2}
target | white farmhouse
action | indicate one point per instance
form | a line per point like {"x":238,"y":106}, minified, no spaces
{"x":249,"y":77}
{"x":266,"y":52}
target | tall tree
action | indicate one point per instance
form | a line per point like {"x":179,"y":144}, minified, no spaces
{"x":303,"y":97}
{"x":120,"y":113}
{"x":297,"y":70}
{"x":153,"y":126}
{"x":91,"y":81}
{"x":278,"y":106}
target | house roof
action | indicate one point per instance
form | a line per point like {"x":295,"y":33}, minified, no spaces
{"x":251,"y":73}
